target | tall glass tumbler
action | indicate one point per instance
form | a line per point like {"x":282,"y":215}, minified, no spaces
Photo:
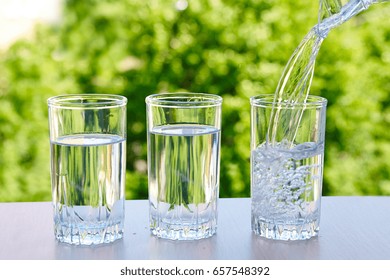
{"x":287,"y":154}
{"x":183,"y":164}
{"x":88,"y":166}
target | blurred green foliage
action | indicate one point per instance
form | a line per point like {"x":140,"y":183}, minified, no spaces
{"x":236,"y":49}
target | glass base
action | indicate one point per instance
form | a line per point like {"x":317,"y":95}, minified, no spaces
{"x":278,"y":231}
{"x":78,"y":235}
{"x":183,"y":232}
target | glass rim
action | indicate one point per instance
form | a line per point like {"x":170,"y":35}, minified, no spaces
{"x":267,"y":100}
{"x":96,"y":101}
{"x":184,"y":99}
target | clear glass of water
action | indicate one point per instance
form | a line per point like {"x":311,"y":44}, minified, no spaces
{"x":287,"y":168}
{"x":88,"y":166}
{"x":184,"y":131}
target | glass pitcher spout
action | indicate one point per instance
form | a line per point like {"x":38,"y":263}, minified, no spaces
{"x":333,"y":13}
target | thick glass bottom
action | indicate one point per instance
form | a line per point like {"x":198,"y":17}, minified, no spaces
{"x":88,"y":235}
{"x":285,"y":231}
{"x":183,"y":231}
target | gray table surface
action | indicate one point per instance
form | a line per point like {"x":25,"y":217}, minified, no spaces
{"x":352,"y":228}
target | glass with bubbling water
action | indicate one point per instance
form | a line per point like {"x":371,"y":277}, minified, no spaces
{"x":287,"y":169}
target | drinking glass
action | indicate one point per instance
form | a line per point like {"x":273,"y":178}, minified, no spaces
{"x":287,"y":166}
{"x":88,"y":166}
{"x":183,"y":164}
